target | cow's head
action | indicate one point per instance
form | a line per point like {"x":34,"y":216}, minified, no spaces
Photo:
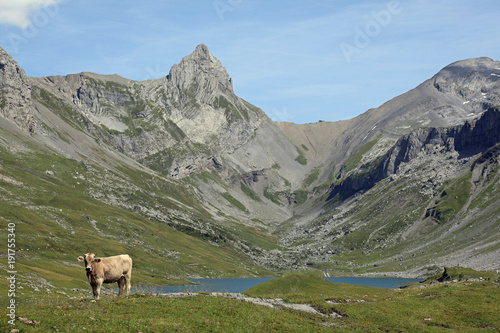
{"x":89,"y":259}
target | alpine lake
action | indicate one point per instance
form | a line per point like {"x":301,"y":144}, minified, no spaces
{"x":239,"y":285}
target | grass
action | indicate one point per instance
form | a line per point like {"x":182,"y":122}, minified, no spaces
{"x":461,"y":273}
{"x":301,"y":196}
{"x":3,"y":101}
{"x":273,"y":196}
{"x":249,"y":192}
{"x":301,"y":159}
{"x":312,"y":177}
{"x":231,"y":112}
{"x":207,"y":177}
{"x":356,"y":158}
{"x":463,"y":306}
{"x":294,"y":287}
{"x":256,"y":237}
{"x":487,"y":197}
{"x":233,"y":201}
{"x":453,"y":198}
{"x":161,"y":314}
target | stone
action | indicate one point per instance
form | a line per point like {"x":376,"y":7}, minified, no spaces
{"x":15,"y":93}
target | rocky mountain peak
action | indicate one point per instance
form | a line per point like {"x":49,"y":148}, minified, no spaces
{"x":471,"y":79}
{"x":15,"y":93}
{"x":201,"y":51}
{"x":201,"y":72}
{"x":470,"y":69}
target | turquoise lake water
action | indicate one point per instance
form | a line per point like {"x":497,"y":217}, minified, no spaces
{"x":241,"y":285}
{"x":391,"y":283}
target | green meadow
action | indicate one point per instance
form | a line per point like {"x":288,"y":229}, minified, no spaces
{"x":464,"y":306}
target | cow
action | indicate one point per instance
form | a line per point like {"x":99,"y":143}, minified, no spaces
{"x":108,"y":270}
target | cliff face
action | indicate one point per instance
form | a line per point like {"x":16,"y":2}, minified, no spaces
{"x":469,"y":139}
{"x":183,"y":125}
{"x":462,"y":141}
{"x":176,"y":125}
{"x":15,"y":93}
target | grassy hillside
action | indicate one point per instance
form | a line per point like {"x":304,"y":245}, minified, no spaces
{"x":59,"y":209}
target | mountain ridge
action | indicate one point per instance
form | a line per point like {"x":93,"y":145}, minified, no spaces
{"x":324,"y":192}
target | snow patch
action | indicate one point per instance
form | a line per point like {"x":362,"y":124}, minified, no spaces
{"x":369,"y":133}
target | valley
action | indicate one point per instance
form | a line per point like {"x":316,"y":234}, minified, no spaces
{"x":193,"y":181}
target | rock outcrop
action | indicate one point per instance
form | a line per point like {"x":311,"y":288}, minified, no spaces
{"x":476,"y":81}
{"x":202,"y":74}
{"x":15,"y":93}
{"x":469,"y":139}
{"x":176,"y":125}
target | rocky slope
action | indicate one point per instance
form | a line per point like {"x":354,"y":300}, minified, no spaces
{"x":182,"y":125}
{"x":428,"y":201}
{"x":420,"y":191}
{"x":408,"y":185}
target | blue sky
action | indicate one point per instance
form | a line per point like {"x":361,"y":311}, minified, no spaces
{"x":298,"y":60}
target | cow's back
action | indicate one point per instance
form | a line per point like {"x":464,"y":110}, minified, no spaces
{"x":113,"y":268}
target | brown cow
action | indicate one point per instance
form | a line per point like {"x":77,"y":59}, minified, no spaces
{"x":108,"y":270}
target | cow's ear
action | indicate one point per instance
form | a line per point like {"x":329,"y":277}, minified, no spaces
{"x":80,"y":258}
{"x":97,"y":260}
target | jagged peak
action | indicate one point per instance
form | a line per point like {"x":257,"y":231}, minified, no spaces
{"x":201,"y":68}
{"x":201,"y":51}
{"x":202,"y":56}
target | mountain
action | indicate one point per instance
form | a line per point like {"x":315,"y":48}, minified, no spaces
{"x":99,"y":161}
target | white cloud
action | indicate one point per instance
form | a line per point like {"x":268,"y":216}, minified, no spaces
{"x":19,"y":12}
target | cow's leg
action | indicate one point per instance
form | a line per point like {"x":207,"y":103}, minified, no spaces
{"x":121,"y":286}
{"x":96,"y":288}
{"x":128,"y":277}
{"x":95,"y":292}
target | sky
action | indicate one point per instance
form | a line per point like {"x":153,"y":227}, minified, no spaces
{"x":298,"y":60}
